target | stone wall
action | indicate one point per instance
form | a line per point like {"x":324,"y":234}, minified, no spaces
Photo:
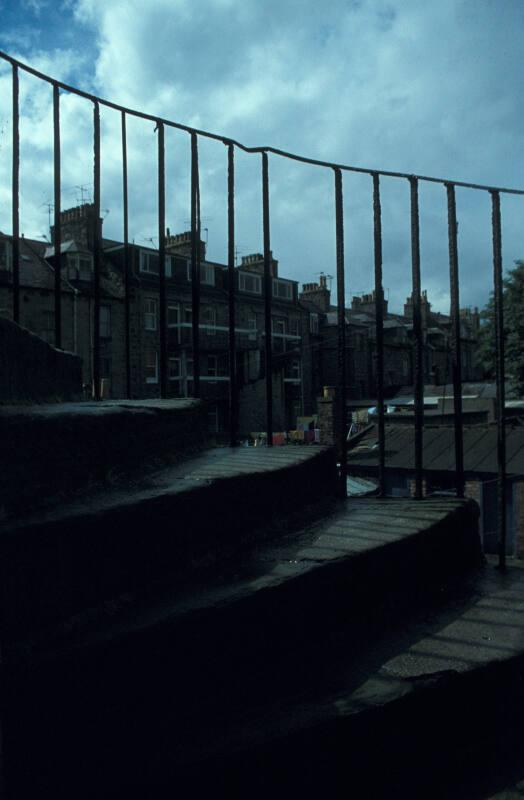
{"x":37,"y":315}
{"x":252,"y":405}
{"x":32,"y":371}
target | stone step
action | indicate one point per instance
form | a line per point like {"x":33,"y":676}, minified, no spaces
{"x":432,"y":709}
{"x":63,"y":449}
{"x":148,"y":691}
{"x":62,"y":560}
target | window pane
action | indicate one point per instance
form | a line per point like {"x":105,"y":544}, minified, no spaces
{"x":150,"y":314}
{"x":249,"y":283}
{"x":172,"y":316}
{"x":151,"y":366}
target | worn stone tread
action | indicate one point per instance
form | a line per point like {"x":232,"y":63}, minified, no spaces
{"x":458,"y":640}
{"x":215,"y":464}
{"x":304,"y":554}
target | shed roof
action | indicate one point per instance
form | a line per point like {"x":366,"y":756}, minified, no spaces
{"x":480,"y":449}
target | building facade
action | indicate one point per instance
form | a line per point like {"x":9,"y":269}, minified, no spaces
{"x":361,"y":348}
{"x":304,"y":326}
{"x":288,"y":320}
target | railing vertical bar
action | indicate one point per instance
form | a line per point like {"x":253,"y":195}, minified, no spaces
{"x":456,"y":354}
{"x":233,"y":411}
{"x":162,"y":258}
{"x":97,"y":250}
{"x":57,"y":237}
{"x":340,"y":400}
{"x":418,"y":377}
{"x":267,"y":299}
{"x":127,"y":268}
{"x":379,"y":330}
{"x":16,"y":197}
{"x":499,"y":360}
{"x":195,"y":263}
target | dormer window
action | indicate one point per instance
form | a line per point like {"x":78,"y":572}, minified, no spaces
{"x":247,"y":282}
{"x":207,"y":274}
{"x":149,"y":263}
{"x":79,"y":266}
{"x":282,"y":289}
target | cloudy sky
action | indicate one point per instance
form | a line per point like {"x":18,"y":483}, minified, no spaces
{"x":415,"y":86}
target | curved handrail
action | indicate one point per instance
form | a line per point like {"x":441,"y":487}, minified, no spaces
{"x":264,"y":149}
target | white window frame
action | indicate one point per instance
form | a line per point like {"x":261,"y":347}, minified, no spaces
{"x":147,"y":256}
{"x":209,"y":324}
{"x":81,"y":264}
{"x":176,"y":362}
{"x":283,"y":290}
{"x":151,"y":378}
{"x":150,"y":313}
{"x":207,"y":274}
{"x":252,"y":326}
{"x":245,"y":278}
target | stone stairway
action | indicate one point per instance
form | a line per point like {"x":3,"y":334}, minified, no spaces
{"x":221,"y":624}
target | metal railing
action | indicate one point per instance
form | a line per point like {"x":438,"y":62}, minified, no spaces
{"x":338,"y":170}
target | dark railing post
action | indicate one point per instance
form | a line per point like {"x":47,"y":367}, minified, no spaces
{"x":499,"y":360}
{"x":456,"y":354}
{"x":195,"y":263}
{"x":418,"y":377}
{"x":16,"y":197}
{"x":127,"y":270}
{"x":340,"y":400}
{"x":162,"y":259}
{"x":97,"y":250}
{"x":57,"y":238}
{"x":233,"y":399}
{"x":267,"y":299}
{"x":379,"y":331}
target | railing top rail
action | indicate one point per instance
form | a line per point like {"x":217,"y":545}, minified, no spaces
{"x":264,"y":149}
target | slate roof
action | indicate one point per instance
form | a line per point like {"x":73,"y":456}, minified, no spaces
{"x":35,"y":272}
{"x":480,"y":449}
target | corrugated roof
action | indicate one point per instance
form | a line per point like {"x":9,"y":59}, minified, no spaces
{"x":482,"y":389}
{"x":480,"y":449}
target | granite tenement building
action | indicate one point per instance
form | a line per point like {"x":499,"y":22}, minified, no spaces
{"x":304,"y":326}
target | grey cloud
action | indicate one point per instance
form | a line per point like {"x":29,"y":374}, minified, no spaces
{"x":408,"y":86}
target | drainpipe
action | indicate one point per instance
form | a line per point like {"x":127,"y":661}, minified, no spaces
{"x":75,"y":321}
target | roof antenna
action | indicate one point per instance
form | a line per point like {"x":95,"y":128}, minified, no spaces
{"x":49,"y":206}
{"x":83,"y":192}
{"x":149,"y":239}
